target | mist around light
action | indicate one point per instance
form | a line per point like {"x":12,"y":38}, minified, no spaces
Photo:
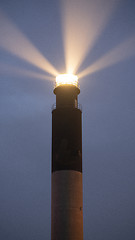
{"x":119,"y":53}
{"x":17,"y":72}
{"x":15,"y":42}
{"x":82,"y":23}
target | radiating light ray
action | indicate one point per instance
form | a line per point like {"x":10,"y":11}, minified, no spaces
{"x":83,"y":22}
{"x":119,"y":53}
{"x":16,"y":71}
{"x":14,"y":41}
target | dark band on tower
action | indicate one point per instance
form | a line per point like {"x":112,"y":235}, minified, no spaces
{"x":66,"y":130}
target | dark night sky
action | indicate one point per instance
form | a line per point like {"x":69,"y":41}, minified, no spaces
{"x":108,"y":100}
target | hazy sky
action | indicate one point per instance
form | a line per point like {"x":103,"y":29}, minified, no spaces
{"x":108,"y":102}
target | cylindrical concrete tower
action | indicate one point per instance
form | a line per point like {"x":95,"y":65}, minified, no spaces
{"x":67,"y":196}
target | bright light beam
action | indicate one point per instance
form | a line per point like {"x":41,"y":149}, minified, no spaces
{"x":83,"y":21}
{"x":14,"y":41}
{"x":119,"y":53}
{"x":16,"y":71}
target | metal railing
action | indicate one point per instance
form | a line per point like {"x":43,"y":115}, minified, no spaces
{"x":67,"y":84}
{"x":77,"y":106}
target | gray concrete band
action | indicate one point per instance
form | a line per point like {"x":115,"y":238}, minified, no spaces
{"x":67,"y":205}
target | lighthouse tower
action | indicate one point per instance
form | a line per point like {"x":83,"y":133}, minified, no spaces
{"x":66,"y":192}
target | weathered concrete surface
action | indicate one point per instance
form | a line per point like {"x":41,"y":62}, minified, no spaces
{"x":67,"y":205}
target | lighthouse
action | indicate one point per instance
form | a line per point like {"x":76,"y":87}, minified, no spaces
{"x":66,"y":182}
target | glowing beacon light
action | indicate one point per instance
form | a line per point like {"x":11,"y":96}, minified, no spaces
{"x":66,"y":79}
